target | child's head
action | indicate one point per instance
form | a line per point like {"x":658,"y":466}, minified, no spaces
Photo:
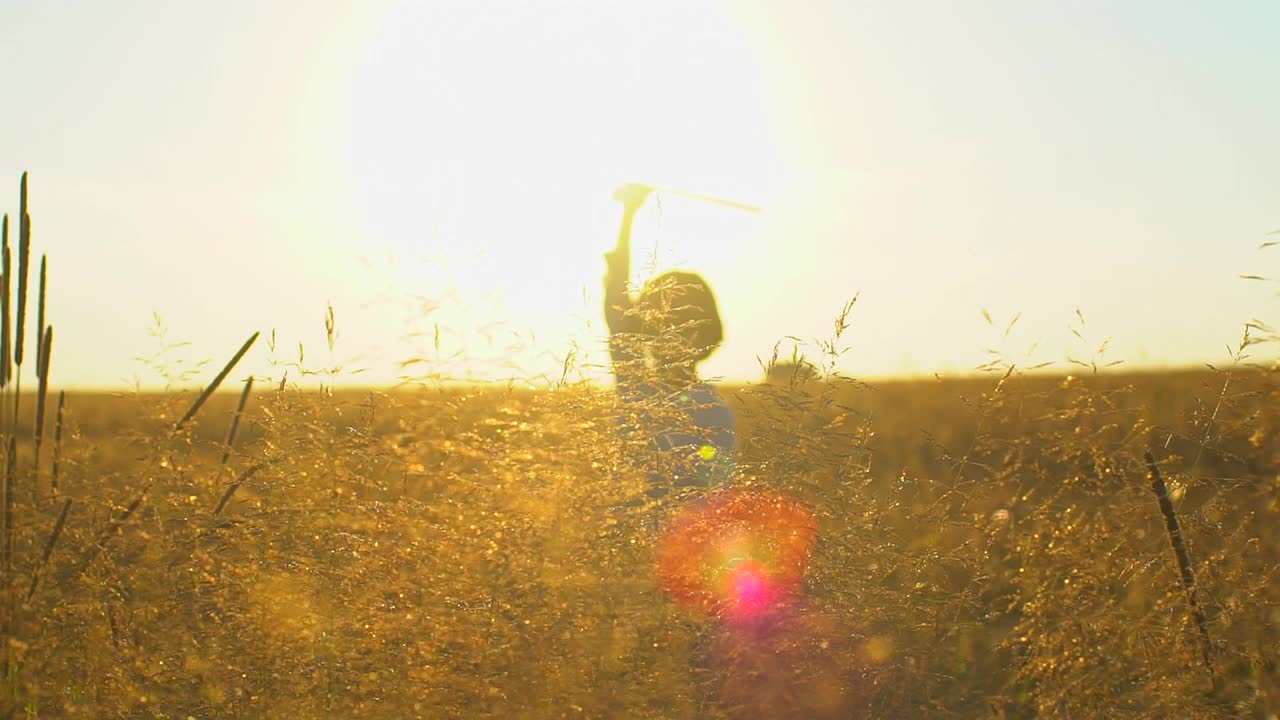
{"x":679,"y":311}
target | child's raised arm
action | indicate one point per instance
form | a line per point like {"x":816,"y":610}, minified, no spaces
{"x":616,"y":300}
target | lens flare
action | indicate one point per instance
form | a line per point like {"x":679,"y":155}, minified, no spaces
{"x":738,"y":554}
{"x":749,"y":589}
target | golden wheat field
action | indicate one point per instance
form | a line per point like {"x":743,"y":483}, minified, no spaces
{"x":655,"y":360}
{"x":1009,"y":544}
{"x":986,"y":547}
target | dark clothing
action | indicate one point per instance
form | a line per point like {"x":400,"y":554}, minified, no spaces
{"x":691,"y":424}
{"x":688,"y":424}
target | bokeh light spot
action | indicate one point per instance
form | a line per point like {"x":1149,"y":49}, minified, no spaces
{"x":736,"y":554}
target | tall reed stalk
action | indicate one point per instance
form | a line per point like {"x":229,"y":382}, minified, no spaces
{"x":6,"y":477}
{"x":217,"y":380}
{"x":42,"y":391}
{"x":1185,"y":572}
{"x":57,"y":443}
{"x":24,"y":261}
{"x":12,"y":357}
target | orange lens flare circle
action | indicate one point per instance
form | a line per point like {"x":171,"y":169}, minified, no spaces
{"x":738,"y":553}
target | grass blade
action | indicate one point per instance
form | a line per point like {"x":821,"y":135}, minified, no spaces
{"x":1184,"y":561}
{"x":42,"y":391}
{"x":195,"y":407}
{"x":24,"y":262}
{"x":9,"y":625}
{"x":6,"y":357}
{"x":57,"y":441}
{"x":48,"y":548}
{"x":101,"y":543}
{"x":235,"y":421}
{"x":44,"y":276}
{"x":10,"y":471}
{"x":231,"y":489}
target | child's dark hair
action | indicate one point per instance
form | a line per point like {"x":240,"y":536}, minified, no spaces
{"x":682,"y":302}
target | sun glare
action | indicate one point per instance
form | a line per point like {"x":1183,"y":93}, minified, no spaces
{"x":487,"y":138}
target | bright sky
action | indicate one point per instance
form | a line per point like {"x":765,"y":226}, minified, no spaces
{"x":441,"y":172}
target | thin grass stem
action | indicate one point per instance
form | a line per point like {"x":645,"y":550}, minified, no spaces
{"x":101,"y":543}
{"x":44,"y":277}
{"x":195,"y":407}
{"x":231,"y":489}
{"x":1184,"y":562}
{"x":42,"y":376}
{"x":48,"y":548}
{"x":57,"y":442}
{"x":235,"y":421}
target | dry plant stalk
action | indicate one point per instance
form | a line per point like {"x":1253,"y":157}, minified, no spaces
{"x":6,"y":358}
{"x":57,"y":441}
{"x":222,"y":375}
{"x":235,"y":421}
{"x":231,"y":489}
{"x":42,"y":375}
{"x":44,"y":277}
{"x":10,"y":468}
{"x":101,"y":543}
{"x":10,"y":605}
{"x":48,"y":548}
{"x":1184,"y":562}
{"x":24,"y":261}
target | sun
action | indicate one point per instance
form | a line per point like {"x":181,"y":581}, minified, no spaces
{"x":489,"y":136}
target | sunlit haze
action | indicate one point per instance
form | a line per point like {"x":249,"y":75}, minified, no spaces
{"x":441,"y":173}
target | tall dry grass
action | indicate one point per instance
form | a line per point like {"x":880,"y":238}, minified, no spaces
{"x":988,"y":547}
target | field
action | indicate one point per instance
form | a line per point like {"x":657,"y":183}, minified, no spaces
{"x":496,"y":486}
{"x":1010,"y":545}
{"x":987,"y":547}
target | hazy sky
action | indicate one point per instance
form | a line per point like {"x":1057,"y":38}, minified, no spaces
{"x":440,"y":172}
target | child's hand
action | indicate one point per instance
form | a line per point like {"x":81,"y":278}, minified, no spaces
{"x":632,"y":195}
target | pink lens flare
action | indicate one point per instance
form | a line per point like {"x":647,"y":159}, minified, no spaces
{"x":749,"y":591}
{"x":737,"y":554}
